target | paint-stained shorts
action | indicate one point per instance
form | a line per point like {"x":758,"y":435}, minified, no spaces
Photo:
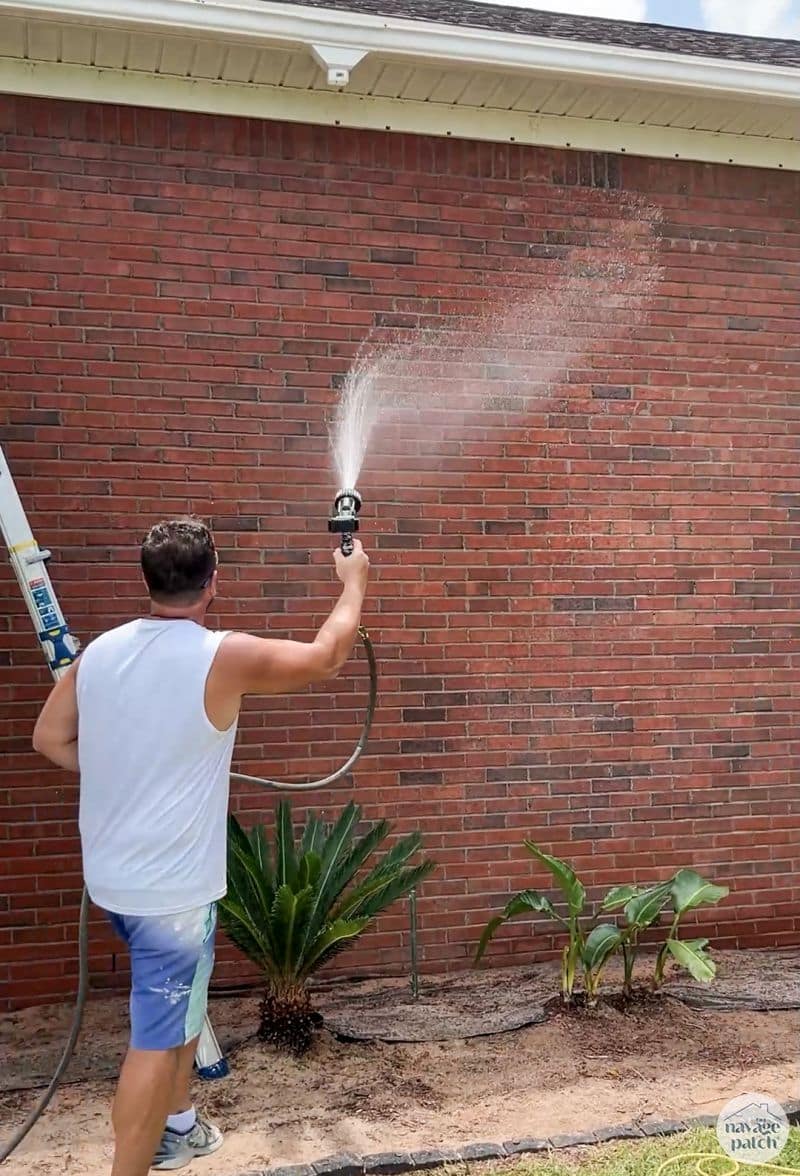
{"x":171,"y":961}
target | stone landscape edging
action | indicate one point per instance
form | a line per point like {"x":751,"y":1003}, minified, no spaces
{"x":397,"y":1163}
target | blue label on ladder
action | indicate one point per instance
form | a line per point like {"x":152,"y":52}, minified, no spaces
{"x":58,"y":646}
{"x":45,"y":606}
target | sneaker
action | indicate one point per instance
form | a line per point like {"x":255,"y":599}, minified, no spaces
{"x":204,"y":1138}
{"x":176,"y":1150}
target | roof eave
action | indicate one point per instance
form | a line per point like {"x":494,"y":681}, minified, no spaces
{"x":288,"y":24}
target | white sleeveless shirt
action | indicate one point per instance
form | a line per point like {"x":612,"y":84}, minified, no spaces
{"x":154,"y":770}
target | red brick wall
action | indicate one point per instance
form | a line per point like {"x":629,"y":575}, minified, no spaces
{"x":587,"y":620}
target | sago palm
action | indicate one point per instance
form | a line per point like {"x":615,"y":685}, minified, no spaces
{"x":292,"y":908}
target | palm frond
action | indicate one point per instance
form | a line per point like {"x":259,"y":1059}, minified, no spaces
{"x":250,"y":937}
{"x":285,"y":858}
{"x":387,"y":867}
{"x":347,"y":868}
{"x":337,"y":843}
{"x":313,"y":839}
{"x":384,"y":891}
{"x":245,"y":876}
{"x":287,"y":926}
{"x":336,"y":935}
{"x":261,"y":853}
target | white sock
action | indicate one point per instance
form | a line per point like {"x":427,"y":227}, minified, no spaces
{"x":183,"y":1122}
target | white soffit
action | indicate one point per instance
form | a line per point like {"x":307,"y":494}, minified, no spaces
{"x":255,"y":58}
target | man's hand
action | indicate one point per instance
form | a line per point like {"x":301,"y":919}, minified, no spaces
{"x":353,"y":568}
{"x":56,"y":732}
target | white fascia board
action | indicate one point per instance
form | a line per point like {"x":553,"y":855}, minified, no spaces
{"x":326,"y":108}
{"x":260,"y":20}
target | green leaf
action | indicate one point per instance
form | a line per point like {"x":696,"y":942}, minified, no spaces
{"x":384,"y":891}
{"x":362,"y":849}
{"x":488,"y":934}
{"x":692,"y":956}
{"x":525,"y":903}
{"x":288,"y":923}
{"x":643,"y":909}
{"x":689,"y":890}
{"x":565,"y":878}
{"x":246,"y":880}
{"x":308,"y":870}
{"x":600,"y":944}
{"x":617,"y":897}
{"x":285,"y":859}
{"x":245,"y":934}
{"x":334,"y":850}
{"x":335,"y":936}
{"x":313,"y":837}
{"x":529,"y":902}
{"x":261,"y":854}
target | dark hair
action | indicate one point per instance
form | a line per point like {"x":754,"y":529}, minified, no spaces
{"x":178,"y":560}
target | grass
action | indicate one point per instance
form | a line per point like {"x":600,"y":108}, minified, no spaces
{"x":645,"y":1158}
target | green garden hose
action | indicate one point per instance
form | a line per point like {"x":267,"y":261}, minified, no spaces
{"x":83,"y":922}
{"x":704,"y":1159}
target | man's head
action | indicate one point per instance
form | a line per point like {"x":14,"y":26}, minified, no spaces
{"x":179,"y":562}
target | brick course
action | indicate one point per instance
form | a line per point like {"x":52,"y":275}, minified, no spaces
{"x":587,"y":620}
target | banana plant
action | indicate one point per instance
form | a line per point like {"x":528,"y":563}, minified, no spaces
{"x":534,"y":902}
{"x":688,"y":891}
{"x":642,"y":908}
{"x":600,"y":945}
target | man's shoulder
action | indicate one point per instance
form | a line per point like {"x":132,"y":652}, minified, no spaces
{"x":110,"y":637}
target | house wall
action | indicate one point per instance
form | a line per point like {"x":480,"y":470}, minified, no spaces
{"x":586,"y":612}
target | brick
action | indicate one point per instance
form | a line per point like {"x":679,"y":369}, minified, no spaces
{"x":730,"y":750}
{"x":611,"y":392}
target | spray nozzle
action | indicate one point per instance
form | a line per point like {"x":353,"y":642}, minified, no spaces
{"x":344,"y":520}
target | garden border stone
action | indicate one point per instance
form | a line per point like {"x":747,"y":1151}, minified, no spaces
{"x":342,"y":1165}
{"x":436,"y":1157}
{"x":665,"y":1127}
{"x":388,"y":1163}
{"x":395,"y":1163}
{"x":520,"y":1147}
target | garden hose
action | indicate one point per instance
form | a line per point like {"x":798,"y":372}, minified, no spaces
{"x":83,"y":922}
{"x":347,"y":766}
{"x":703,"y":1159}
{"x":69,"y":1048}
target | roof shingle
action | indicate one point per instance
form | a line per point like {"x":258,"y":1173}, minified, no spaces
{"x":533,"y":23}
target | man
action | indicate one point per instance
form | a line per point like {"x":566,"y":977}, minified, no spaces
{"x":148,"y":717}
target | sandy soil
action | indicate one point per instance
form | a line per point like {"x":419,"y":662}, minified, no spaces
{"x":570,"y":1073}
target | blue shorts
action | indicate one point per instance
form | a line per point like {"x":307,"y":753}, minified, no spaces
{"x":171,"y":961}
